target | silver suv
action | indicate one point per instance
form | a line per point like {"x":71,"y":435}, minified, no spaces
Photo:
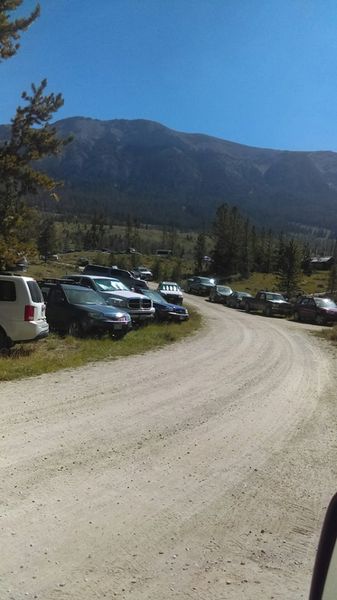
{"x":116,"y":293}
{"x":22,"y":311}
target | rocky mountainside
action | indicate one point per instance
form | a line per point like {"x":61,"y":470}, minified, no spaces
{"x":159,"y":175}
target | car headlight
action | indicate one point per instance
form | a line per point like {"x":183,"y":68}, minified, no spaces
{"x":96,"y":315}
{"x":125,"y":317}
{"x":118,"y":302}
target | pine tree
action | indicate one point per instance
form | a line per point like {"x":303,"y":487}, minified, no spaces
{"x":333,"y":271}
{"x":31,"y":138}
{"x":199,"y":251}
{"x":46,"y":242}
{"x":289,"y":272}
{"x":10,"y":30}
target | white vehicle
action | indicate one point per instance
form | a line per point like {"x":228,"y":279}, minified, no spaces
{"x":22,"y":311}
{"x":171,"y":292}
{"x":143,"y":273}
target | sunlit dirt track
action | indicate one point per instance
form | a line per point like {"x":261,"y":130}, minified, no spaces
{"x":199,"y":471}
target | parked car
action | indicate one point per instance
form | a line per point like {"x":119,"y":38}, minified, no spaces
{"x":237,"y":299}
{"x":77,"y":310}
{"x":117,"y":294}
{"x":269,"y":303}
{"x":22,"y":311}
{"x":143,"y":273}
{"x":165,"y":311}
{"x":124,"y":276}
{"x":171,"y":292}
{"x":220,"y":293}
{"x":199,"y":285}
{"x":315,"y":310}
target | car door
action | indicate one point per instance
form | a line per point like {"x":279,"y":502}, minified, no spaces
{"x":58,"y":309}
{"x":305,"y":310}
{"x":261,"y":301}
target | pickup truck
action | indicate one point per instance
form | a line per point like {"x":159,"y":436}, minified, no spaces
{"x":269,"y":303}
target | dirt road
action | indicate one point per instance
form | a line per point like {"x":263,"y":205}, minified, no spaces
{"x":199,"y":471}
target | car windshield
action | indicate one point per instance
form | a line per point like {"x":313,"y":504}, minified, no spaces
{"x":83,"y":296}
{"x":109,"y":285}
{"x":169,"y":287}
{"x":270,"y":296}
{"x":154,"y":296}
{"x":205,"y":280}
{"x":224,"y":289}
{"x":325,"y":303}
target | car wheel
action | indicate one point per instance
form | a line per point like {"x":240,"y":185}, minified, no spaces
{"x":267,"y":311}
{"x":320,"y":320}
{"x":118,"y":335}
{"x":297,"y":316}
{"x":75,"y":329}
{"x":247,"y":307}
{"x":4,"y":342}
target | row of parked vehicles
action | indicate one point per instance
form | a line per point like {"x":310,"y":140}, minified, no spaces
{"x":95,"y":301}
{"x":309,"y":308}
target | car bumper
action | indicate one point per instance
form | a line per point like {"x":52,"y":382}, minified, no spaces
{"x":141,"y":317}
{"x":172,"y":298}
{"x":29,"y":331}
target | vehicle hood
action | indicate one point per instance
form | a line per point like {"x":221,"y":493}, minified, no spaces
{"x":123,"y":294}
{"x":170,"y":307}
{"x":280,"y":302}
{"x":101,"y":309}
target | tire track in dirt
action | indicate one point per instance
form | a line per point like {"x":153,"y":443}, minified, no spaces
{"x":196,"y":471}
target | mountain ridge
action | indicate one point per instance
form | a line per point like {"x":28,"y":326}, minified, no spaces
{"x":161,"y":175}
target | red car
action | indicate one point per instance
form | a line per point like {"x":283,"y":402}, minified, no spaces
{"x":315,"y":310}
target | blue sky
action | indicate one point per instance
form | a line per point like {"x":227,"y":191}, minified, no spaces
{"x":258,"y":72}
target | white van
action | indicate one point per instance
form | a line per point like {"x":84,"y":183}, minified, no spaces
{"x":22,"y":311}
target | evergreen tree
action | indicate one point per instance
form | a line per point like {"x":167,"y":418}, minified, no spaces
{"x":31,"y":138}
{"x":289,"y":272}
{"x":333,"y":271}
{"x":47,"y":241}
{"x":220,"y":252}
{"x":10,"y":30}
{"x":199,"y":251}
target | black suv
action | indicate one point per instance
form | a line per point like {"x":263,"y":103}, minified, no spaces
{"x":77,"y":310}
{"x":124,"y":276}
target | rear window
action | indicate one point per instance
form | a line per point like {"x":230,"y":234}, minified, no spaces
{"x":35,"y":292}
{"x":7,"y":291}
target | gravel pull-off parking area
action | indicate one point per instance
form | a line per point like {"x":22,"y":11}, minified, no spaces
{"x":200,"y":471}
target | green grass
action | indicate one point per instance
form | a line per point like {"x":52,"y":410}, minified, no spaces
{"x":317,"y":282}
{"x":329,"y":334}
{"x":55,"y":353}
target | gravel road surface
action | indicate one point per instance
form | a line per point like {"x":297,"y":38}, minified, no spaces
{"x":200,"y":471}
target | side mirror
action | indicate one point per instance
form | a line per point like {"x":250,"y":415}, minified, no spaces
{"x":324,"y":579}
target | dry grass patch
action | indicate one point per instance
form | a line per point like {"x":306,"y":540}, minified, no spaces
{"x":55,"y":353}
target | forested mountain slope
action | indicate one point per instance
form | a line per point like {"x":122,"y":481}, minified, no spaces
{"x":159,"y":175}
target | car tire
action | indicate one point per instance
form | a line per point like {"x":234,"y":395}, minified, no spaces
{"x":247,"y":307}
{"x":297,"y":316}
{"x":267,"y":311}
{"x":320,"y":320}
{"x":118,"y":335}
{"x":4,"y":341}
{"x":75,"y":329}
